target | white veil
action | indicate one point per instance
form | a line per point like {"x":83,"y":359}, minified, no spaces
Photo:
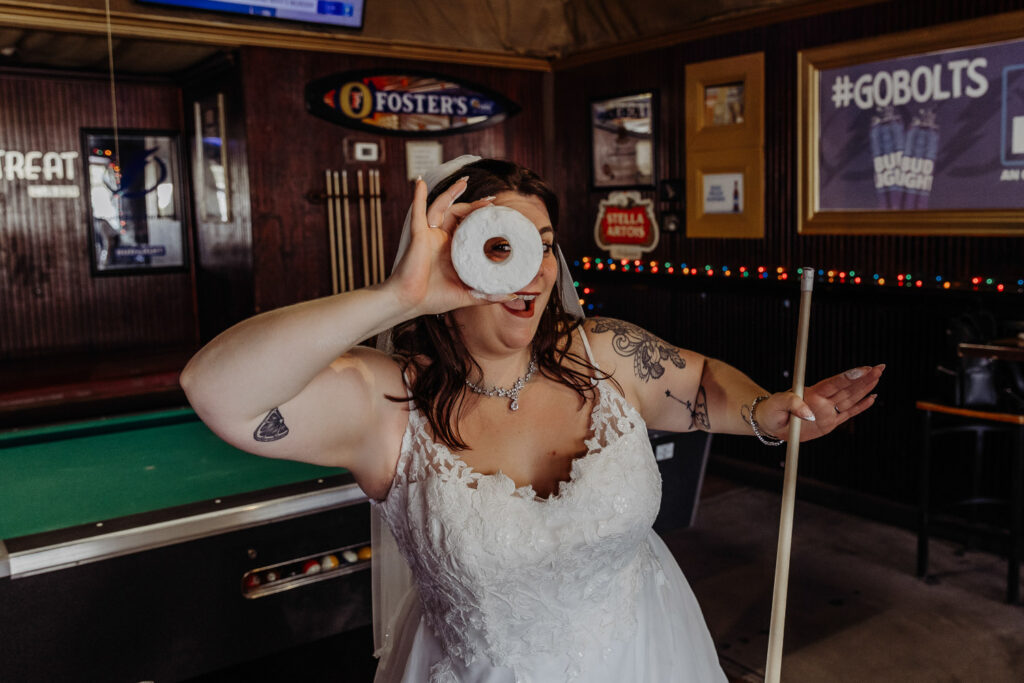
{"x":391,"y":579}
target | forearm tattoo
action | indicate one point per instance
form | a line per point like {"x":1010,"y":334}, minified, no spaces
{"x":272,"y":428}
{"x":648,"y":351}
{"x":699,"y":417}
{"x":745,"y":413}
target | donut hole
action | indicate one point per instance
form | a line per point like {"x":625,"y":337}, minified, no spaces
{"x":498,"y":249}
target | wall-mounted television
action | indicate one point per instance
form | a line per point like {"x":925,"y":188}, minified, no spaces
{"x":345,"y":13}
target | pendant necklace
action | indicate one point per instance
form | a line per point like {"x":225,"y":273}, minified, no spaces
{"x":512,"y":393}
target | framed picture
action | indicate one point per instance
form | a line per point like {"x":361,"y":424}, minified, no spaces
{"x":622,"y":142}
{"x":725,"y":193}
{"x":212,"y":179}
{"x":725,"y":103}
{"x":915,"y":133}
{"x":725,"y":147}
{"x":136,"y":211}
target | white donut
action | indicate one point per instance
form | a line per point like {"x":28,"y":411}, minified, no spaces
{"x":489,"y":277}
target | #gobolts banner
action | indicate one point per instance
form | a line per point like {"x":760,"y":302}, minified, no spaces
{"x":943,"y":130}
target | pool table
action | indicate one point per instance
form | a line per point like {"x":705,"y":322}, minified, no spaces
{"x":143,"y":548}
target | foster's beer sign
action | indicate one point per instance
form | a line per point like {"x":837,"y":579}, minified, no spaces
{"x":406,"y":103}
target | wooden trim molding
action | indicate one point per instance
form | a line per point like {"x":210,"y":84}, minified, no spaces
{"x":717,"y":26}
{"x":51,"y":17}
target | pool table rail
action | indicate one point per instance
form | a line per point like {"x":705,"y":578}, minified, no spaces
{"x":46,"y":552}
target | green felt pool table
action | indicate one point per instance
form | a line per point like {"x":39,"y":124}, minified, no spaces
{"x":119,"y":521}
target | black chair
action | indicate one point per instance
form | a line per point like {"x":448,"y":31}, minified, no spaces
{"x":983,"y":424}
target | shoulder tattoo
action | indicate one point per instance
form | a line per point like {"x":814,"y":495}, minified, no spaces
{"x":698,"y":409}
{"x":648,"y":352}
{"x":272,"y":428}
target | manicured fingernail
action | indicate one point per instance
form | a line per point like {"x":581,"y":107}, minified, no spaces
{"x":465,"y":177}
{"x":418,"y":178}
{"x":874,"y":396}
{"x":881,"y":366}
{"x":807,"y":415}
{"x":457,"y":195}
{"x":489,"y":199}
{"x":855,"y":373}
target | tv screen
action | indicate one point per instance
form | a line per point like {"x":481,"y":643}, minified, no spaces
{"x":346,"y":13}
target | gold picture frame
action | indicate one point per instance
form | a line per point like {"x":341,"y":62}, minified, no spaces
{"x":917,"y":81}
{"x":725,"y":193}
{"x":744,"y":74}
{"x":725,"y":147}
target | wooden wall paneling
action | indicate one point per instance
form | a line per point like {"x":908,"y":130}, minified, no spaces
{"x":288,"y":150}
{"x":747,"y":323}
{"x":51,"y":303}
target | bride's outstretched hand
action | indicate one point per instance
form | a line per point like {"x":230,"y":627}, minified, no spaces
{"x":830,"y":403}
{"x":425,"y":280}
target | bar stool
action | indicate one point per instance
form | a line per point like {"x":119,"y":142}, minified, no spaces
{"x":981,"y":423}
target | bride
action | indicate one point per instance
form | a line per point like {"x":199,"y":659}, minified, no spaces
{"x":505,"y":446}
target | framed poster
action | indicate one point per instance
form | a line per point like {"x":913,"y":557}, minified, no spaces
{"x":136,"y":215}
{"x":915,"y":133}
{"x":725,"y":147}
{"x":622,"y":142}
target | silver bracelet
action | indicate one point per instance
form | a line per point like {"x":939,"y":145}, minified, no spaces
{"x":766,"y":439}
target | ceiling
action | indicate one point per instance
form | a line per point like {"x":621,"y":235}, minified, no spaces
{"x":541,"y":29}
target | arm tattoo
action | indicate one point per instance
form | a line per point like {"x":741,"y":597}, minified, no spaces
{"x":647,"y":350}
{"x":272,"y":428}
{"x":745,"y":413}
{"x":699,"y":418}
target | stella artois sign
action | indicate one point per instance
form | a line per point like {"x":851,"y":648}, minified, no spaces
{"x":626,"y":225}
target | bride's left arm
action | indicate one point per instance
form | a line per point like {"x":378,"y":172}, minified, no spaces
{"x":679,"y":390}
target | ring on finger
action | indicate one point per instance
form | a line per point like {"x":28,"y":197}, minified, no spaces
{"x":836,"y":408}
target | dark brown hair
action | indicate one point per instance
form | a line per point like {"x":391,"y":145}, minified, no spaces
{"x":434,"y":346}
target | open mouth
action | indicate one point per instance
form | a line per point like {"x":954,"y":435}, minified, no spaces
{"x":521,"y":306}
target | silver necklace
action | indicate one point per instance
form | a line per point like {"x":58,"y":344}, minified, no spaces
{"x":512,"y":393}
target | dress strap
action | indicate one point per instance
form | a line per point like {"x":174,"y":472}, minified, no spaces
{"x":586,"y":345}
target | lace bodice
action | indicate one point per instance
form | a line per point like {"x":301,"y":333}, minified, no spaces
{"x":518,"y":580}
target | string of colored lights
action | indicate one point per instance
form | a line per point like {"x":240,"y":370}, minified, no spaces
{"x":831,"y":276}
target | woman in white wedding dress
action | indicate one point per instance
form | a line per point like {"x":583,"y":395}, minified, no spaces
{"x":525,"y":514}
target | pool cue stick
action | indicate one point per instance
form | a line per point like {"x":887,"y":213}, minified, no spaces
{"x":380,"y":228}
{"x":331,"y":238}
{"x":373,"y":229}
{"x":773,"y":666}
{"x":348,"y":232}
{"x":362,"y":229}
{"x":343,"y":247}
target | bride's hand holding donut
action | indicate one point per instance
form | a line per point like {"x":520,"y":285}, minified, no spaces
{"x":425,"y":280}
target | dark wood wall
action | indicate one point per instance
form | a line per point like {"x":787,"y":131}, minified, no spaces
{"x":289,"y":151}
{"x":752,"y":324}
{"x":49,"y":302}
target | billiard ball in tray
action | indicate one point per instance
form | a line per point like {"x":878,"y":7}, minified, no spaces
{"x":304,"y":570}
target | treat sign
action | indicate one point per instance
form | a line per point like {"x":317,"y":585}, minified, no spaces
{"x":406,"y":103}
{"x":626,"y":225}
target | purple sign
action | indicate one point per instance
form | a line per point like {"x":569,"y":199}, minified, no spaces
{"x":943,"y":130}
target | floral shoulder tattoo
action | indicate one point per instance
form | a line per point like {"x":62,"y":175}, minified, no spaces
{"x":648,"y":352}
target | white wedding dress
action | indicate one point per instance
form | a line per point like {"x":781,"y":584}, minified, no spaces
{"x":512,"y":588}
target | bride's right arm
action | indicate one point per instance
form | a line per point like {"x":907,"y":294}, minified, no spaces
{"x":291,"y":383}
